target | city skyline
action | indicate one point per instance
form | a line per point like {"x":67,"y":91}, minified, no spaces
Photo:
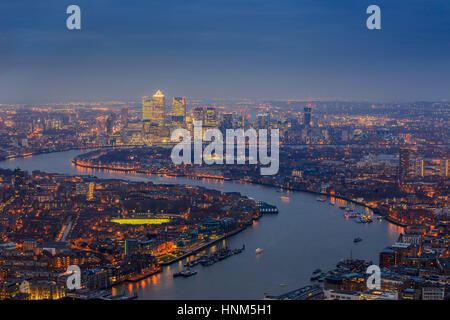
{"x":97,"y":190}
{"x":275,"y":50}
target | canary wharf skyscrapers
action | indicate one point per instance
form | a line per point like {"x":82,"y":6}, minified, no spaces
{"x":210,"y":115}
{"x":178,"y":110}
{"x":154,"y":109}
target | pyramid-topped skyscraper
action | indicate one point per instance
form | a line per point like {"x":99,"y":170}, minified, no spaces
{"x":154,"y":108}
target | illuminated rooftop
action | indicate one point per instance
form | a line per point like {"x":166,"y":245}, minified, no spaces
{"x":158,"y":94}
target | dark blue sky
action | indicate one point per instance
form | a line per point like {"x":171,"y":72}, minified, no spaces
{"x":224,"y":48}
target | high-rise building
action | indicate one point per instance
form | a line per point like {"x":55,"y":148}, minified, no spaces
{"x":444,"y":167}
{"x":154,"y":108}
{"x":242,"y":119}
{"x":210,"y":116}
{"x":307,"y":116}
{"x":109,"y":126}
{"x":178,"y":109}
{"x":90,"y":194}
{"x":420,"y":168}
{"x":133,"y":128}
{"x":263,"y":120}
{"x":124,"y":115}
{"x":198,"y":114}
{"x":403,"y":164}
{"x":227,"y":120}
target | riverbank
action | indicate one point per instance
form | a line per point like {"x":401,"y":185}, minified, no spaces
{"x":30,"y":154}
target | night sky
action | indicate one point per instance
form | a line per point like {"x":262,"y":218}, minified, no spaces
{"x":274,"y":49}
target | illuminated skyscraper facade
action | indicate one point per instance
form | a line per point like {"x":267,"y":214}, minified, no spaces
{"x":420,"y":170}
{"x":124,"y":115}
{"x":263,"y":120}
{"x":154,"y":108}
{"x":178,"y":109}
{"x":198,"y":114}
{"x":307,"y":116}
{"x":210,"y":117}
{"x":227,"y":120}
{"x":90,"y":194}
{"x":403,"y":165}
{"x":444,"y":167}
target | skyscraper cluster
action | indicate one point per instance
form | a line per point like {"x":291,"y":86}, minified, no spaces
{"x":157,"y":121}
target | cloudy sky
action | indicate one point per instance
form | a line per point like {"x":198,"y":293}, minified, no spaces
{"x":277,"y":49}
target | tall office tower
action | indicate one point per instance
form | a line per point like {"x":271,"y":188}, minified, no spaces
{"x":90,"y":193}
{"x":210,"y":116}
{"x":109,"y":126}
{"x":419,"y":168}
{"x":124,"y":115}
{"x":242,"y":119}
{"x":227,"y":120}
{"x":307,"y":116}
{"x":263,"y":120}
{"x":403,"y":164}
{"x":154,"y":108}
{"x":178,"y":109}
{"x":198,"y":114}
{"x":444,"y":167}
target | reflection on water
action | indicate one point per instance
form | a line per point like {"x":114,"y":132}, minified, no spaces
{"x":305,"y":235}
{"x":395,"y":230}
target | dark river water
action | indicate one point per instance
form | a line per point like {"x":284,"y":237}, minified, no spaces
{"x":305,"y":235}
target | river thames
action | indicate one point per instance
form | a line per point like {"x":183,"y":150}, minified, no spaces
{"x":304,"y":236}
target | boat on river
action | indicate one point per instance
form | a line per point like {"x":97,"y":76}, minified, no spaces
{"x":356,"y":240}
{"x":185,"y":273}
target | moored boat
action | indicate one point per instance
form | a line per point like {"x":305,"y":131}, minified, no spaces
{"x":185,"y":273}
